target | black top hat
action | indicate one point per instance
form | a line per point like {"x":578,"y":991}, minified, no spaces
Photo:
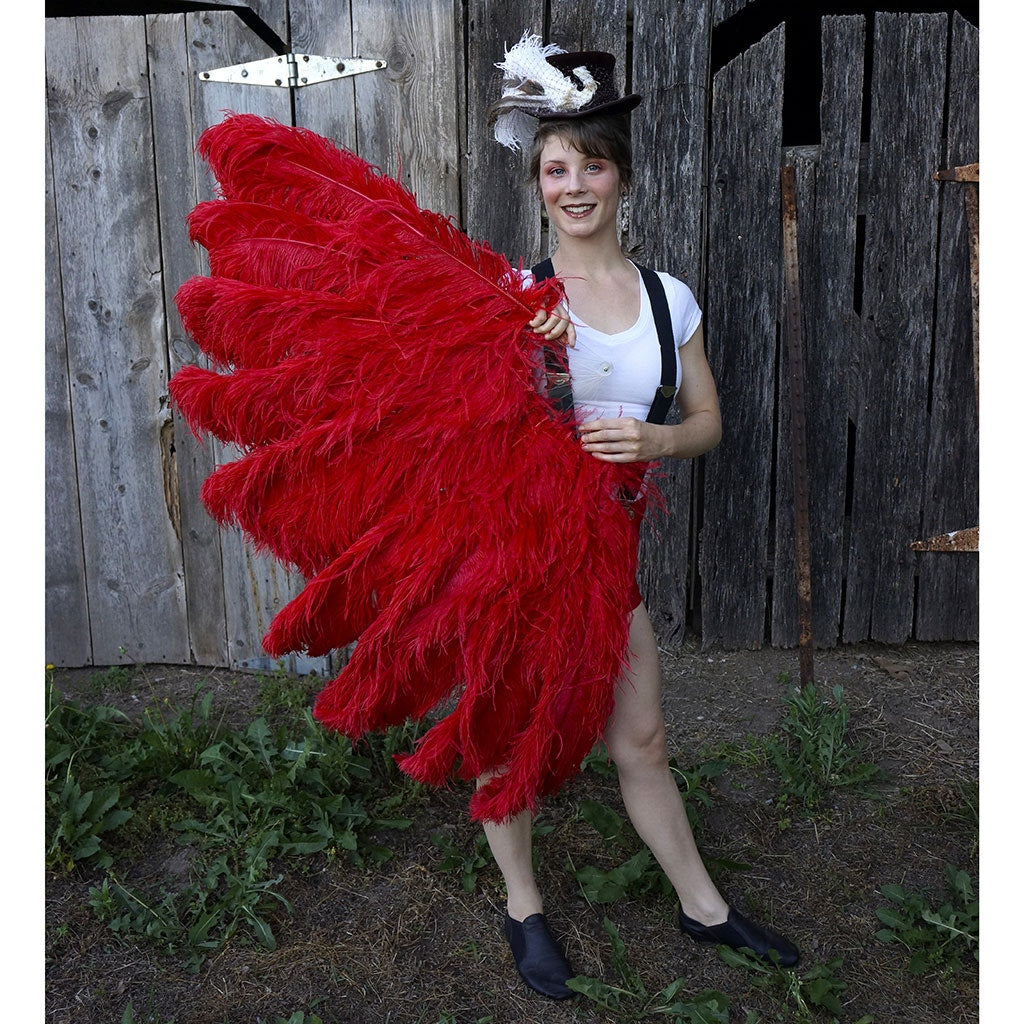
{"x":544,"y":83}
{"x":606,"y":99}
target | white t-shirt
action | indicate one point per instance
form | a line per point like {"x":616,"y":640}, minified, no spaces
{"x":616,"y":375}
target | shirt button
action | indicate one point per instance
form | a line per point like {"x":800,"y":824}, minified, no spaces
{"x":606,"y":368}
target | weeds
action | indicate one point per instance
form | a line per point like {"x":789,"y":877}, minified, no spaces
{"x":812,"y":753}
{"x":75,"y":822}
{"x":249,"y":797}
{"x":629,"y":1000}
{"x":937,"y":940}
{"x":283,"y":692}
{"x":467,"y":864}
{"x":81,"y":798}
{"x":639,"y":873}
{"x":800,"y":996}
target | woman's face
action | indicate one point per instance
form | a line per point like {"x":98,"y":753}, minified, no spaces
{"x":581,"y":193}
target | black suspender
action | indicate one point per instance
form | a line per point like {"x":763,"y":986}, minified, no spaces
{"x":663,"y":322}
{"x":560,"y":388}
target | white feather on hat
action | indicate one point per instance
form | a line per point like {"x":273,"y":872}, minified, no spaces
{"x":534,"y":84}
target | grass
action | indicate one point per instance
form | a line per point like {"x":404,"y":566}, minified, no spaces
{"x":246,"y":798}
{"x":940,"y":941}
{"x":251,"y":810}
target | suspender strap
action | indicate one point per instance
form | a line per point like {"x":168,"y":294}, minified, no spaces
{"x":559,"y":382}
{"x":663,"y":323}
{"x":560,"y":387}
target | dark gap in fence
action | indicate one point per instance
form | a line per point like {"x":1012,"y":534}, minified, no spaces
{"x":851,"y":449}
{"x":801,"y":115}
{"x":858,"y":264}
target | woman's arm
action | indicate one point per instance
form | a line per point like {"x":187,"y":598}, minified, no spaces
{"x":632,"y":440}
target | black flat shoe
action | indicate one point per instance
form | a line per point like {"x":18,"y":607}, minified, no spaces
{"x":541,"y":963}
{"x":736,"y":931}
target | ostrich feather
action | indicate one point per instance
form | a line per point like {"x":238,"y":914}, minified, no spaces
{"x":372,"y":364}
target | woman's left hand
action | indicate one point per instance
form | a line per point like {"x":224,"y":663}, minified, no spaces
{"x":622,"y":440}
{"x":554,"y":325}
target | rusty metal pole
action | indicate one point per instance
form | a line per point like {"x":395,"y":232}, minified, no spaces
{"x":798,"y":424}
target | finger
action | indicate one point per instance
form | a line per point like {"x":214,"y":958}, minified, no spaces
{"x":540,"y":317}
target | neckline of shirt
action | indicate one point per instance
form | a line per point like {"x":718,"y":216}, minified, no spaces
{"x":638,"y":326}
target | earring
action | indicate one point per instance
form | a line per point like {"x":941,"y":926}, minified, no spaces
{"x":622,"y":215}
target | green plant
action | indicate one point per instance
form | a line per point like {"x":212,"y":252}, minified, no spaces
{"x":801,"y":994}
{"x":629,"y":1000}
{"x":692,"y":784}
{"x":172,"y":739}
{"x":938,"y":940}
{"x":75,"y":822}
{"x":468,"y":864}
{"x":89,"y":740}
{"x":283,"y":691}
{"x":639,"y":873}
{"x":812,"y":753}
{"x":115,"y":679}
{"x":238,"y":799}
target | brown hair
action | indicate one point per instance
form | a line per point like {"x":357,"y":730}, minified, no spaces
{"x":603,"y":137}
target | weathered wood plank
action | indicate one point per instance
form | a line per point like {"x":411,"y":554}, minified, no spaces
{"x":406,"y":117}
{"x":947,"y":595}
{"x":325,"y":27}
{"x":273,"y":13}
{"x":741,"y":327}
{"x":671,"y":53}
{"x":105,"y":192}
{"x":827,"y":184}
{"x":511,"y":223}
{"x":67,"y":641}
{"x":907,"y":91}
{"x":173,"y":139}
{"x":724,"y":9}
{"x":600,"y":25}
{"x":256,"y":587}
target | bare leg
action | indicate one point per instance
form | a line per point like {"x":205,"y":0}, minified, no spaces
{"x":511,"y":843}
{"x":635,"y":737}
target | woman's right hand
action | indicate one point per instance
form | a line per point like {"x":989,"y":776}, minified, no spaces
{"x":554,"y":326}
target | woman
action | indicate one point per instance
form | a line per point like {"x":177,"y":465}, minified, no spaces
{"x":580,"y":162}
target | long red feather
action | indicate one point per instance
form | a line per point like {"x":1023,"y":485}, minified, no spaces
{"x":371,"y":361}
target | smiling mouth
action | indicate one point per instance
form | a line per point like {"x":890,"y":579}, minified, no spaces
{"x":580,"y":211}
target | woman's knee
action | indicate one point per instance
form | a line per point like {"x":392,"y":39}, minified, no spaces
{"x":642,"y":746}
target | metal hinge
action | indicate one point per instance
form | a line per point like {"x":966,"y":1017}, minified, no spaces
{"x":292,"y":69}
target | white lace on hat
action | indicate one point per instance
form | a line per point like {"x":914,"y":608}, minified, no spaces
{"x":536,"y":85}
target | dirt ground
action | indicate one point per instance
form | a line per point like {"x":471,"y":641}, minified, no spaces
{"x":403,"y":942}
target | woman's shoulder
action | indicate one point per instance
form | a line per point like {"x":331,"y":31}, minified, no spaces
{"x":676,"y":290}
{"x":683,"y":308}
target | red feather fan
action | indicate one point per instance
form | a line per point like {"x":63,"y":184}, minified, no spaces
{"x":374,"y":368}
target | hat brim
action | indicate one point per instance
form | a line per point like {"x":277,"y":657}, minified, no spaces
{"x":619,"y":106}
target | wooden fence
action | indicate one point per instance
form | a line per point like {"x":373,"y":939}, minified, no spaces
{"x":135,"y":569}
